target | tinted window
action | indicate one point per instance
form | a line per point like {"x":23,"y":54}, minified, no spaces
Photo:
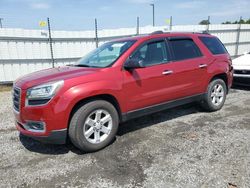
{"x":214,"y":45}
{"x":151,"y":53}
{"x":184,"y":49}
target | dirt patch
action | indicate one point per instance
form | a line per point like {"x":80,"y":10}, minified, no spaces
{"x":180,"y":147}
{"x":5,"y":88}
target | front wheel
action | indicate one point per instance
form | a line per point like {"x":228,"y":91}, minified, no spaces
{"x":215,"y":97}
{"x":94,"y":125}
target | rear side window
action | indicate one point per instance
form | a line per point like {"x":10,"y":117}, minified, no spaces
{"x":214,"y":45}
{"x":184,"y":49}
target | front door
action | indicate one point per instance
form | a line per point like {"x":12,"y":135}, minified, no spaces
{"x":152,"y":84}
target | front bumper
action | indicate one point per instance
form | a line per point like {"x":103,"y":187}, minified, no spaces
{"x":241,"y":79}
{"x":54,"y":137}
{"x":52,"y":115}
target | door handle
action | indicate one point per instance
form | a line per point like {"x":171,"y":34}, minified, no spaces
{"x":202,"y":66}
{"x":167,"y":72}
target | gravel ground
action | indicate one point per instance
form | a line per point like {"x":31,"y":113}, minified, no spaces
{"x":181,"y":147}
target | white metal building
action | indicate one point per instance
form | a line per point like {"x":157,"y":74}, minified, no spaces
{"x":25,"y":51}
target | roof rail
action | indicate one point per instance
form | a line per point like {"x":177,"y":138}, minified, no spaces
{"x":192,"y":32}
{"x":205,"y":32}
{"x":157,"y":32}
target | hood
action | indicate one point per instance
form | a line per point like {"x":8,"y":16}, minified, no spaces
{"x":53,"y":74}
{"x":242,"y":62}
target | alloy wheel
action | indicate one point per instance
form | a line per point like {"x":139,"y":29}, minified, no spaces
{"x":97,"y":126}
{"x":217,"y":94}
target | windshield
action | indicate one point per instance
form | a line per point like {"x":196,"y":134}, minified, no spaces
{"x":105,"y":55}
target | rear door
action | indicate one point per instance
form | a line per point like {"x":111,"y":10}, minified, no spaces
{"x":189,"y":67}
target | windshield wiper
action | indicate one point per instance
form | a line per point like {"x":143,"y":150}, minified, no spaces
{"x":70,"y":65}
{"x":82,"y":65}
{"x":78,"y":65}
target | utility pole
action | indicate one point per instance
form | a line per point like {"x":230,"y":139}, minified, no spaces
{"x":1,"y":24}
{"x":50,"y":42}
{"x":153,"y":6}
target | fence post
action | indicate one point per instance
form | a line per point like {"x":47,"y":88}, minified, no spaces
{"x":171,"y":23}
{"x":96,"y":33}
{"x":237,"y":41}
{"x":1,"y":25}
{"x":137,"y":25}
{"x":50,"y":43}
{"x":208,"y":23}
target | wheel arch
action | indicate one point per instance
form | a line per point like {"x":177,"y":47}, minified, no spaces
{"x":222,"y":76}
{"x":107,"y":97}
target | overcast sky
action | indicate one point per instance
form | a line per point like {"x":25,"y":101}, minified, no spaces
{"x":80,"y":14}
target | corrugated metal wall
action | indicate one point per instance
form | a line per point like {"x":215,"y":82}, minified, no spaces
{"x":24,"y":51}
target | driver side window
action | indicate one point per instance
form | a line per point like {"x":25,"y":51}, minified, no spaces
{"x":152,"y":53}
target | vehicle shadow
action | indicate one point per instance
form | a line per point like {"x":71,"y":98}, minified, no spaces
{"x":49,"y":149}
{"x":38,"y":147}
{"x":124,"y":128}
{"x":159,"y":117}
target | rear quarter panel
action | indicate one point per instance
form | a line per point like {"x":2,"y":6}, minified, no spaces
{"x":220,"y":65}
{"x":217,"y":64}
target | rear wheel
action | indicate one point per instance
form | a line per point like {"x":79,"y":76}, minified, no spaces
{"x":215,"y":97}
{"x":94,"y":125}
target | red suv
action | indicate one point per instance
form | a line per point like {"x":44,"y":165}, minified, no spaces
{"x":123,"y":79}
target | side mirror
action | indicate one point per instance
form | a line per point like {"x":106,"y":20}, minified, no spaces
{"x":133,"y":64}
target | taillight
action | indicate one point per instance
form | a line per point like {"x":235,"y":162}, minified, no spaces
{"x":230,"y":64}
{"x":231,"y":68}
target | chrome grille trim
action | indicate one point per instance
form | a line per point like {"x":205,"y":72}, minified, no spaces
{"x":16,"y":96}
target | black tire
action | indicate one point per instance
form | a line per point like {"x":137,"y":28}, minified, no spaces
{"x":76,"y":127}
{"x":207,"y":103}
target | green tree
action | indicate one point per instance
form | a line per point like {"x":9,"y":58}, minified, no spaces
{"x":241,"y":21}
{"x":204,"y":22}
{"x":227,"y":22}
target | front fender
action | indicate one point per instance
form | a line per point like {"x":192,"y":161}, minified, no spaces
{"x":73,"y":95}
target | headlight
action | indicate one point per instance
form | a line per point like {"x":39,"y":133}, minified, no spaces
{"x":43,"y":92}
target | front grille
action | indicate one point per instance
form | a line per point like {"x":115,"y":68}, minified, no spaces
{"x":241,"y":71}
{"x":16,"y":98}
